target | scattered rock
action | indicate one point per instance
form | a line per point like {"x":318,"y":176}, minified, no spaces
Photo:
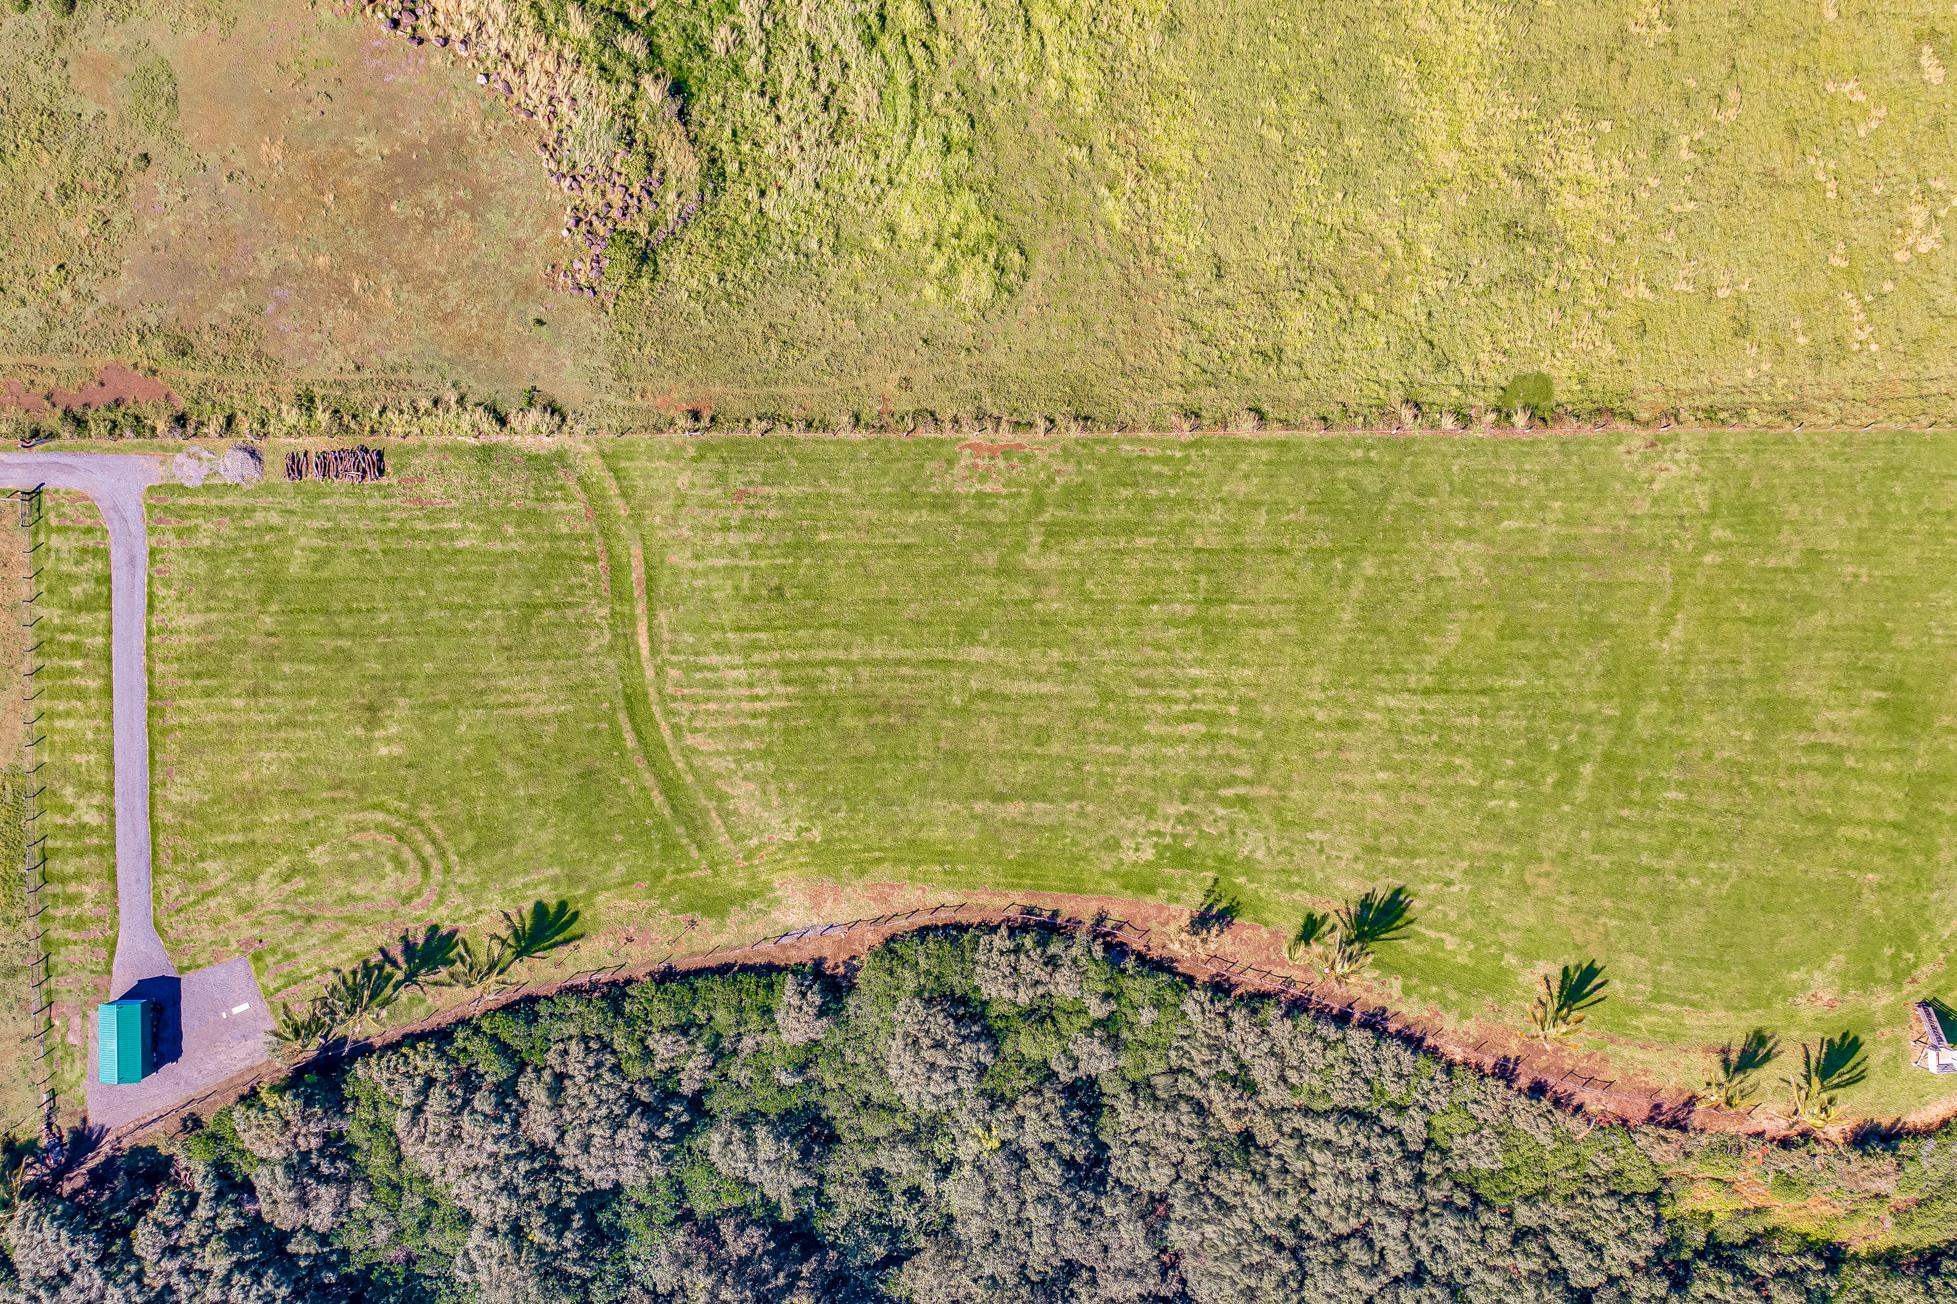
{"x":241,"y":464}
{"x":194,"y":466}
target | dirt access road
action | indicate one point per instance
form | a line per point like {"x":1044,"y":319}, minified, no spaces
{"x":214,"y":1020}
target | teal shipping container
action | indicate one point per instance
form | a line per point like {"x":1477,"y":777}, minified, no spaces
{"x":125,"y":1041}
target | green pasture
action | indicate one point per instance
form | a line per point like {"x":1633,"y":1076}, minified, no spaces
{"x":1679,"y":704}
{"x":372,"y":709}
{"x":1682,"y":704}
{"x":18,"y":929}
{"x":19,"y":1116}
{"x":1130,"y":208}
{"x":77,"y":770}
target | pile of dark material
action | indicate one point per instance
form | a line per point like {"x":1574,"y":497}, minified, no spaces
{"x":359,"y":464}
{"x":554,"y":90}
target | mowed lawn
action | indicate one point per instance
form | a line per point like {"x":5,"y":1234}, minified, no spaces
{"x":373,"y":708}
{"x":19,"y":932}
{"x":1682,"y":704}
{"x":70,"y":641}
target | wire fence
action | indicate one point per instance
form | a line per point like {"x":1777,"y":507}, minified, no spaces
{"x":34,"y":852}
{"x":756,"y":951}
{"x":1571,"y":1086}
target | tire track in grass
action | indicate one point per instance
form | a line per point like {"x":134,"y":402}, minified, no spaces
{"x":693,"y":815}
{"x":630,"y":722}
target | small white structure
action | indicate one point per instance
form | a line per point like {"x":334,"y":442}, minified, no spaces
{"x":1933,"y":1049}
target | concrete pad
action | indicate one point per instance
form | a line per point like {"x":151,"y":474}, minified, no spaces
{"x":214,"y":1025}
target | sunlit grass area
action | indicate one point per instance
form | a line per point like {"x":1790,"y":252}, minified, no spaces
{"x":77,"y":775}
{"x":1119,"y":211}
{"x":1679,"y":704}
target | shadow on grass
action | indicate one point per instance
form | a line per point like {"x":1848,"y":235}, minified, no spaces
{"x":1218,"y":910}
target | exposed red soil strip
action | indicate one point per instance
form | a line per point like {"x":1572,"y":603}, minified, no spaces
{"x":1249,"y":958}
{"x":987,"y":451}
{"x":979,"y":448}
{"x":1156,"y":932}
{"x":114,"y":384}
{"x":16,"y":397}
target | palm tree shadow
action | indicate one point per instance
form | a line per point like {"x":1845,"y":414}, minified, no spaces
{"x":1218,"y":910}
{"x":1672,"y":1114}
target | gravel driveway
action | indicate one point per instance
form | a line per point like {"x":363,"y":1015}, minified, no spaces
{"x":201,"y":1046}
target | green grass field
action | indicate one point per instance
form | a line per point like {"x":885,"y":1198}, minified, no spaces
{"x":1676,"y":702}
{"x":78,"y":800}
{"x":19,"y":1115}
{"x":1682,"y":703}
{"x":1126,"y":208}
{"x":1118,"y":210}
{"x":414,"y":699}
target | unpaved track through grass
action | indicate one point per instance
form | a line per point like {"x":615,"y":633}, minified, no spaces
{"x":423,"y":710}
{"x":632,"y":594}
{"x":1683,"y":704}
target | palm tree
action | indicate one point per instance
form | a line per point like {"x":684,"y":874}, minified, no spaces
{"x":544,"y":929}
{"x":423,"y":959}
{"x":357,"y":996}
{"x":474,"y":967}
{"x":1827,"y":1070}
{"x":1732,"y":1084}
{"x":1311,"y":931}
{"x":16,"y":1167}
{"x":1365,"y":924}
{"x":1560,"y":1008}
{"x":295,"y":1032}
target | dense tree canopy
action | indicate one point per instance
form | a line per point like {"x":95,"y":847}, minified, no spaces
{"x":969,"y":1115}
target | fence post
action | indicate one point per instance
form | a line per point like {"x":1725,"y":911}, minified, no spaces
{"x":34,"y":854}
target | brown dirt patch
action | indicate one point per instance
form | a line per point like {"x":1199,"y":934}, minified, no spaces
{"x":350,"y":204}
{"x":979,"y":448}
{"x":668,"y":402}
{"x":114,"y":385}
{"x":16,"y":397}
{"x":95,"y":74}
